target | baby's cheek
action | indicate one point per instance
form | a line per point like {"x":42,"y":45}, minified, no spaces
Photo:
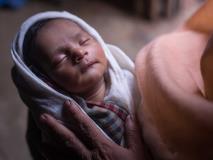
{"x":98,"y":49}
{"x":63,"y":76}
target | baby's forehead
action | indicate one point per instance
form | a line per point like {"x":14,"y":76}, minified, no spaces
{"x":56,"y":21}
{"x":60,"y":23}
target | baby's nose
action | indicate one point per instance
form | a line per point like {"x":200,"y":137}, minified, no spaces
{"x":79,"y":54}
{"x":78,"y":51}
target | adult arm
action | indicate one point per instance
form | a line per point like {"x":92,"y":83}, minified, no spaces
{"x":174,"y":74}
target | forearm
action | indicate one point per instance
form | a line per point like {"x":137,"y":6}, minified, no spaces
{"x":175,"y":112}
{"x":174,"y":74}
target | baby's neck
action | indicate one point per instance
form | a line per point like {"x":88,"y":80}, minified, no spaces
{"x":97,"y":93}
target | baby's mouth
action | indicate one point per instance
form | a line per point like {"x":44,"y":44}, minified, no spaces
{"x":85,"y":65}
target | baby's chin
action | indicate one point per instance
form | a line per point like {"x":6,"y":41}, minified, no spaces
{"x":88,"y":83}
{"x":94,"y":74}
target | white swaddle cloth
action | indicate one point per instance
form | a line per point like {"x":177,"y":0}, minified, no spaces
{"x":40,"y":97}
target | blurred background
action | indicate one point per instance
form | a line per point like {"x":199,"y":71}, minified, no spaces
{"x":129,"y":24}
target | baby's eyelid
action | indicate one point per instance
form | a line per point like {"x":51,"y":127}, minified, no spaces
{"x":61,"y":59}
{"x":82,"y":42}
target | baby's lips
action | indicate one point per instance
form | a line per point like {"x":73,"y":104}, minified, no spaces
{"x":87,"y":64}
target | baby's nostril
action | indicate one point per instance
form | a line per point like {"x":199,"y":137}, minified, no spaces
{"x":77,"y":59}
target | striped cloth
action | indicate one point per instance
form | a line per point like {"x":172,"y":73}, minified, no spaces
{"x":110,"y":117}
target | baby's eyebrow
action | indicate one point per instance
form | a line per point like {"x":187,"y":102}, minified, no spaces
{"x":79,"y":35}
{"x":83,"y":33}
{"x":75,"y":37}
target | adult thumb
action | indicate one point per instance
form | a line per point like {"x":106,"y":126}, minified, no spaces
{"x":132,"y":133}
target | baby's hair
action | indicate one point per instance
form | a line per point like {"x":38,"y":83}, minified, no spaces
{"x":29,"y":45}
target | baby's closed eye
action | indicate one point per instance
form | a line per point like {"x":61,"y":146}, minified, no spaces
{"x":59,"y":60}
{"x":84,"y":41}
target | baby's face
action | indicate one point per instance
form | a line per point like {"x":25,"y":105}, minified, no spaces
{"x":70,"y":56}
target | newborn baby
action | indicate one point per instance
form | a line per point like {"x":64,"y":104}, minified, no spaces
{"x":58,"y":57}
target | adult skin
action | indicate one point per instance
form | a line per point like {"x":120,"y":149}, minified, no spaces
{"x":174,"y":74}
{"x":93,"y":144}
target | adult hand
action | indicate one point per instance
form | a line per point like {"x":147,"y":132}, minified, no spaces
{"x":87,"y":141}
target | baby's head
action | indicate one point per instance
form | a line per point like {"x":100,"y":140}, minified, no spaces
{"x":67,"y":54}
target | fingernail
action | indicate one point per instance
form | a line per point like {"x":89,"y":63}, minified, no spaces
{"x":59,"y":121}
{"x":128,"y":117}
{"x":68,"y":102}
{"x":44,"y":117}
{"x":68,"y":107}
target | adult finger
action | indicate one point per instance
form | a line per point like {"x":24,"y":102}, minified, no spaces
{"x":63,"y":135}
{"x":132,"y":134}
{"x":86,"y":128}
